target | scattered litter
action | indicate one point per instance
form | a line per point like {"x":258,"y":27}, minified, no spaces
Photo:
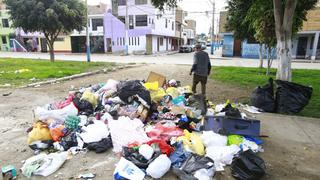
{"x":7,"y":94}
{"x":9,"y":172}
{"x":155,"y":125}
{"x":87,"y":176}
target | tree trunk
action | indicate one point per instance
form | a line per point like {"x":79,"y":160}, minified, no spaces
{"x":51,"y":50}
{"x":283,"y":21}
{"x":260,"y":56}
{"x":284,"y":58}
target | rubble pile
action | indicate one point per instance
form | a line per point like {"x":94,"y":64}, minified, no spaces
{"x":157,"y":126}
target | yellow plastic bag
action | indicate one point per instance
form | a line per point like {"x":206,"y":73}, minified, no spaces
{"x":192,"y":142}
{"x":152,"y":86}
{"x":90,"y":97}
{"x":157,"y":95}
{"x":185,"y":90}
{"x":172,"y":91}
{"x":40,"y":132}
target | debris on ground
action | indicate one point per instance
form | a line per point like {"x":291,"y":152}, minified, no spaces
{"x":156,"y":126}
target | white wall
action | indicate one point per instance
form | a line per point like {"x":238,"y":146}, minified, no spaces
{"x":140,"y":47}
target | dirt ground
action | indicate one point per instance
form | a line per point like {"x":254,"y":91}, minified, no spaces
{"x":291,"y":150}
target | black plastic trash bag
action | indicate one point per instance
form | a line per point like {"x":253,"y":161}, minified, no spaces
{"x":137,"y":159}
{"x":231,"y":111}
{"x":199,"y":102}
{"x":263,"y":97}
{"x":101,"y":146}
{"x":84,"y":106}
{"x":248,"y":166}
{"x":291,"y":97}
{"x":127,"y":89}
{"x":69,"y":140}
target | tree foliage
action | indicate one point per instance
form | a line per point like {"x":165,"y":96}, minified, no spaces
{"x":51,"y":17}
{"x":163,"y":3}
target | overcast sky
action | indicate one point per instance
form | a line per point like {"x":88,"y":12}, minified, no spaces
{"x":194,"y":7}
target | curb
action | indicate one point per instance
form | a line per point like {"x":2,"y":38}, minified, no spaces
{"x":76,"y":76}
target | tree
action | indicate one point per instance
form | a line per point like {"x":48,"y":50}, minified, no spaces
{"x":271,"y":20}
{"x":51,"y":17}
{"x":260,"y":18}
{"x":162,"y":3}
{"x":289,"y":16}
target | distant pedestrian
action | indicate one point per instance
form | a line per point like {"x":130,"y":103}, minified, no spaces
{"x":201,"y":68}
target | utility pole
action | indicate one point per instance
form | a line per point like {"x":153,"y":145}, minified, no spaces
{"x":212,"y":28}
{"x":127,"y":27}
{"x":87,"y":35}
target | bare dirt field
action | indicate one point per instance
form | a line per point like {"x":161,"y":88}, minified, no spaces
{"x":291,"y":150}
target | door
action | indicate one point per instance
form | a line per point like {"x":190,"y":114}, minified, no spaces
{"x":149,"y":44}
{"x":302,"y":47}
{"x":237,"y":48}
{"x":109,"y":45}
{"x":43,"y":43}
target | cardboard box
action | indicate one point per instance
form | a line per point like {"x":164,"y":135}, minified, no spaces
{"x":153,"y":76}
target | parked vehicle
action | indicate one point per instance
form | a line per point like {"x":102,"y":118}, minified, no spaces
{"x":186,"y":49}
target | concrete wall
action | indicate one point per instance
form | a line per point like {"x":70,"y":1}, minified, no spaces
{"x":4,"y":31}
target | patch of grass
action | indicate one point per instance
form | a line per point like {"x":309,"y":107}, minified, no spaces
{"x":42,"y":69}
{"x":253,"y":77}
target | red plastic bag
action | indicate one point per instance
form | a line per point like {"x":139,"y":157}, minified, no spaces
{"x":165,"y":148}
{"x":62,"y":104}
{"x":164,"y":133}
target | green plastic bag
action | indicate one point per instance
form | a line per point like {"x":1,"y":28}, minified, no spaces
{"x":235,"y":139}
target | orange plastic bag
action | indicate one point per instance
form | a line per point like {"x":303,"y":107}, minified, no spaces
{"x":57,"y":132}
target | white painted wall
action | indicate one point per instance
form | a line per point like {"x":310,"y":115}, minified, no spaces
{"x":140,"y":47}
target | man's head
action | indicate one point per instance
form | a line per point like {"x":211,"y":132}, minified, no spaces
{"x":198,"y":47}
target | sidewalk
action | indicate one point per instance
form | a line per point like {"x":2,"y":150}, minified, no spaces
{"x":173,"y":58}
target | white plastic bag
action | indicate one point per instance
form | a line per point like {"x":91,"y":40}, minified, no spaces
{"x":110,"y":85}
{"x":222,"y":155}
{"x":94,"y":132}
{"x":209,"y":138}
{"x":59,"y":115}
{"x":146,"y":151}
{"x":204,"y":174}
{"x":51,"y":164}
{"x":43,"y":164}
{"x":125,"y":131}
{"x":159,"y":167}
{"x":128,"y":170}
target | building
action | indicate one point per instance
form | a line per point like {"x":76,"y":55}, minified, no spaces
{"x":96,"y":31}
{"x":305,"y":44}
{"x":5,"y":29}
{"x":149,"y":31}
{"x":189,"y":31}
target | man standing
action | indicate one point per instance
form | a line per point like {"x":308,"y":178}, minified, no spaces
{"x":201,"y":68}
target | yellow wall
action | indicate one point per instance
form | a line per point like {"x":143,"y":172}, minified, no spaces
{"x":63,"y":46}
{"x":313,"y":20}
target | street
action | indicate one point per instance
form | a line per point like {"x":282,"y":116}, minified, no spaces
{"x":174,"y":58}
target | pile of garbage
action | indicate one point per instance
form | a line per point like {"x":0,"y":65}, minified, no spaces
{"x":157,"y":126}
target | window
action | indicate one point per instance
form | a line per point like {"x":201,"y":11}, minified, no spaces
{"x":121,"y":2}
{"x":135,"y":41}
{"x":117,"y":41}
{"x":161,"y":41}
{"x":122,"y":19}
{"x":5,"y":23}
{"x":172,"y":26}
{"x":129,"y":41}
{"x":166,"y":23}
{"x":4,"y":39}
{"x":138,"y":41}
{"x":140,"y":2}
{"x":96,"y":23}
{"x":131,"y":25}
{"x":141,"y":20}
{"x":149,"y":20}
{"x":123,"y":41}
{"x":60,"y":39}
{"x":152,"y":21}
